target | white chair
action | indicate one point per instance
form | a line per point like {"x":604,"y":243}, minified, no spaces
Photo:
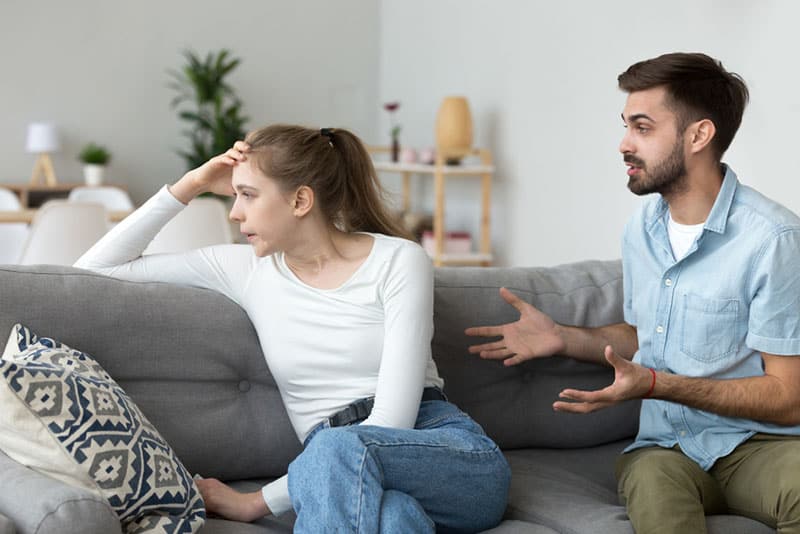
{"x":113,"y":198}
{"x":202,"y":223}
{"x":62,"y":231}
{"x":12,"y":235}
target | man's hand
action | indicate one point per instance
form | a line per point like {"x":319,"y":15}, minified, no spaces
{"x":226,"y":502}
{"x":534,"y":335}
{"x":631,"y":381}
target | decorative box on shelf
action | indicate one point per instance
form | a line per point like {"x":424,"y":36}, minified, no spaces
{"x":454,"y":243}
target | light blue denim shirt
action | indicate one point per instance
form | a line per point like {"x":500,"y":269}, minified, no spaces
{"x":735,"y":294}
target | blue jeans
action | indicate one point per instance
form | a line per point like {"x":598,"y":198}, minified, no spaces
{"x":444,"y":475}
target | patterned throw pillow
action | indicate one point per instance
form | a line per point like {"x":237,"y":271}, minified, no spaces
{"x":64,"y":416}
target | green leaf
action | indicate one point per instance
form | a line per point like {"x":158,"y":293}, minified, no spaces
{"x":208,"y":104}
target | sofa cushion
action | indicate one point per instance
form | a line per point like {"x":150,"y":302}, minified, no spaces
{"x":514,"y":404}
{"x":574,"y":491}
{"x":36,"y":503}
{"x":64,"y":416}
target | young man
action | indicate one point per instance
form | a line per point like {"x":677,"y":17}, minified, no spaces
{"x":712,"y":315}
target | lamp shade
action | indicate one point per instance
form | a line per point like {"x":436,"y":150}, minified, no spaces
{"x":42,"y":137}
{"x":454,"y":127}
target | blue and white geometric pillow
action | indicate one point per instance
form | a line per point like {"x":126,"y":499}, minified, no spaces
{"x":63,"y":415}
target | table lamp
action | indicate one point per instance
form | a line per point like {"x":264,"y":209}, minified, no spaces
{"x":42,"y":140}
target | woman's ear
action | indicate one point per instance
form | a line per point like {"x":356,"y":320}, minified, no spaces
{"x":303,"y":200}
{"x":701,"y":133}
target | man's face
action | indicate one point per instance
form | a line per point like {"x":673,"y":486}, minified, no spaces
{"x":652,"y":147}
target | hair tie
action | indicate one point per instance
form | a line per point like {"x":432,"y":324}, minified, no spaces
{"x":327,"y":132}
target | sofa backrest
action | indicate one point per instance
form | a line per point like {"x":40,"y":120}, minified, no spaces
{"x":191,"y":360}
{"x":514,"y":404}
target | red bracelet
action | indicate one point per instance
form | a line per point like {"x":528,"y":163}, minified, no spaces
{"x":652,"y":385}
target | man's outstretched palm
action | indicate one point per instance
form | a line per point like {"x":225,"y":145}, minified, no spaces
{"x":534,"y":335}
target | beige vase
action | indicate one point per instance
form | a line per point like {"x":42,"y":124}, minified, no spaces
{"x":454,"y":128}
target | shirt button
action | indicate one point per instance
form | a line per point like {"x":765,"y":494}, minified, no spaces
{"x":660,"y":329}
{"x":668,"y":282}
{"x":683,"y":433}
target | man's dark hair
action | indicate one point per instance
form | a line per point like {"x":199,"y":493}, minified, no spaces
{"x":698,"y":87}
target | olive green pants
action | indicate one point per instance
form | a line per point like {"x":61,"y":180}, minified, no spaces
{"x":667,"y":492}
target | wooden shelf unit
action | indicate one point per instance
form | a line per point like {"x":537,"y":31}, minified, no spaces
{"x":440,"y":172}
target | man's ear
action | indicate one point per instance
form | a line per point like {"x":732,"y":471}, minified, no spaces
{"x":303,"y":200}
{"x":700,"y":135}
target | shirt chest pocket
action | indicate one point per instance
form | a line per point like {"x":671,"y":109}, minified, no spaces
{"x":710,"y":327}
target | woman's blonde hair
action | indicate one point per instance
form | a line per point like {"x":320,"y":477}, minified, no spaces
{"x":334,"y":163}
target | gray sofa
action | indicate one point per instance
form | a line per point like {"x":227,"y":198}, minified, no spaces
{"x":191,"y":360}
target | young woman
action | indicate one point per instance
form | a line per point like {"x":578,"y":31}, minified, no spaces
{"x":327,"y":280}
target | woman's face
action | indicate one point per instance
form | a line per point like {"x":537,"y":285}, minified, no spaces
{"x":264,"y":212}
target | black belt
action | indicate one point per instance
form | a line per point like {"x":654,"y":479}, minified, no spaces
{"x":360,"y":409}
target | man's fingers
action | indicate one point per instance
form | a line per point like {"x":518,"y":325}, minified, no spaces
{"x":578,"y":395}
{"x":484,"y":331}
{"x":496,"y":354}
{"x":512,"y":299}
{"x":580,"y":407}
{"x":494,"y":345}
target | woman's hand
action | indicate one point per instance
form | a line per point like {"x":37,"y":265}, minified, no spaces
{"x":214,"y":176}
{"x":226,"y":502}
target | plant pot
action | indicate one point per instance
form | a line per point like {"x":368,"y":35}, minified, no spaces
{"x":93,"y":174}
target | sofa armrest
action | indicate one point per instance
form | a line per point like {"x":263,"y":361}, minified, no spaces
{"x":6,"y":526}
{"x":34,"y":503}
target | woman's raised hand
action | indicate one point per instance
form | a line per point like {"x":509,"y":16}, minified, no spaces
{"x":213,"y":176}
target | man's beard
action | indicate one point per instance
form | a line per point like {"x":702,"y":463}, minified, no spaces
{"x":667,"y":177}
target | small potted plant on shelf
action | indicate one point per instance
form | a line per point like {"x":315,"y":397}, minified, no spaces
{"x":94,"y":158}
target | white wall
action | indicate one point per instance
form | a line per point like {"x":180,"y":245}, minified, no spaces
{"x":541,"y":79}
{"x":98,"y":69}
{"x":540,"y":75}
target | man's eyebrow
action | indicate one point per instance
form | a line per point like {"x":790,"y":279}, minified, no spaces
{"x":636,"y":117}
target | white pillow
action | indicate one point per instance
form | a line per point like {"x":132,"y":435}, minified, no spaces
{"x":64,"y":416}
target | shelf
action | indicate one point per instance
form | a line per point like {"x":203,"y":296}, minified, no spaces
{"x":421,"y":168}
{"x":33,"y":196}
{"x":439,"y":172}
{"x":475,"y":258}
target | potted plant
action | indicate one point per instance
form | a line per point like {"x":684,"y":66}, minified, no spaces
{"x":94,"y":158}
{"x":213,"y":111}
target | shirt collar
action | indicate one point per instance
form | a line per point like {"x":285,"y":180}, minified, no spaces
{"x":718,"y":217}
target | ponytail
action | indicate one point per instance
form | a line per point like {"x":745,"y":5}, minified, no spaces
{"x":336,"y":165}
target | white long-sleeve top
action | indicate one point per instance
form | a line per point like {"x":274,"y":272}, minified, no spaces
{"x":325,"y":347}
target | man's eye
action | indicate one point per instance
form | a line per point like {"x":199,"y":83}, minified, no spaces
{"x":642,"y":129}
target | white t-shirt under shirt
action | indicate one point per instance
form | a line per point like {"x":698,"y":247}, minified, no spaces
{"x":682,"y":236}
{"x":325,"y":347}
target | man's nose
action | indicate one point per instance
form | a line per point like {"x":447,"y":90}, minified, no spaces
{"x":625,"y":145}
